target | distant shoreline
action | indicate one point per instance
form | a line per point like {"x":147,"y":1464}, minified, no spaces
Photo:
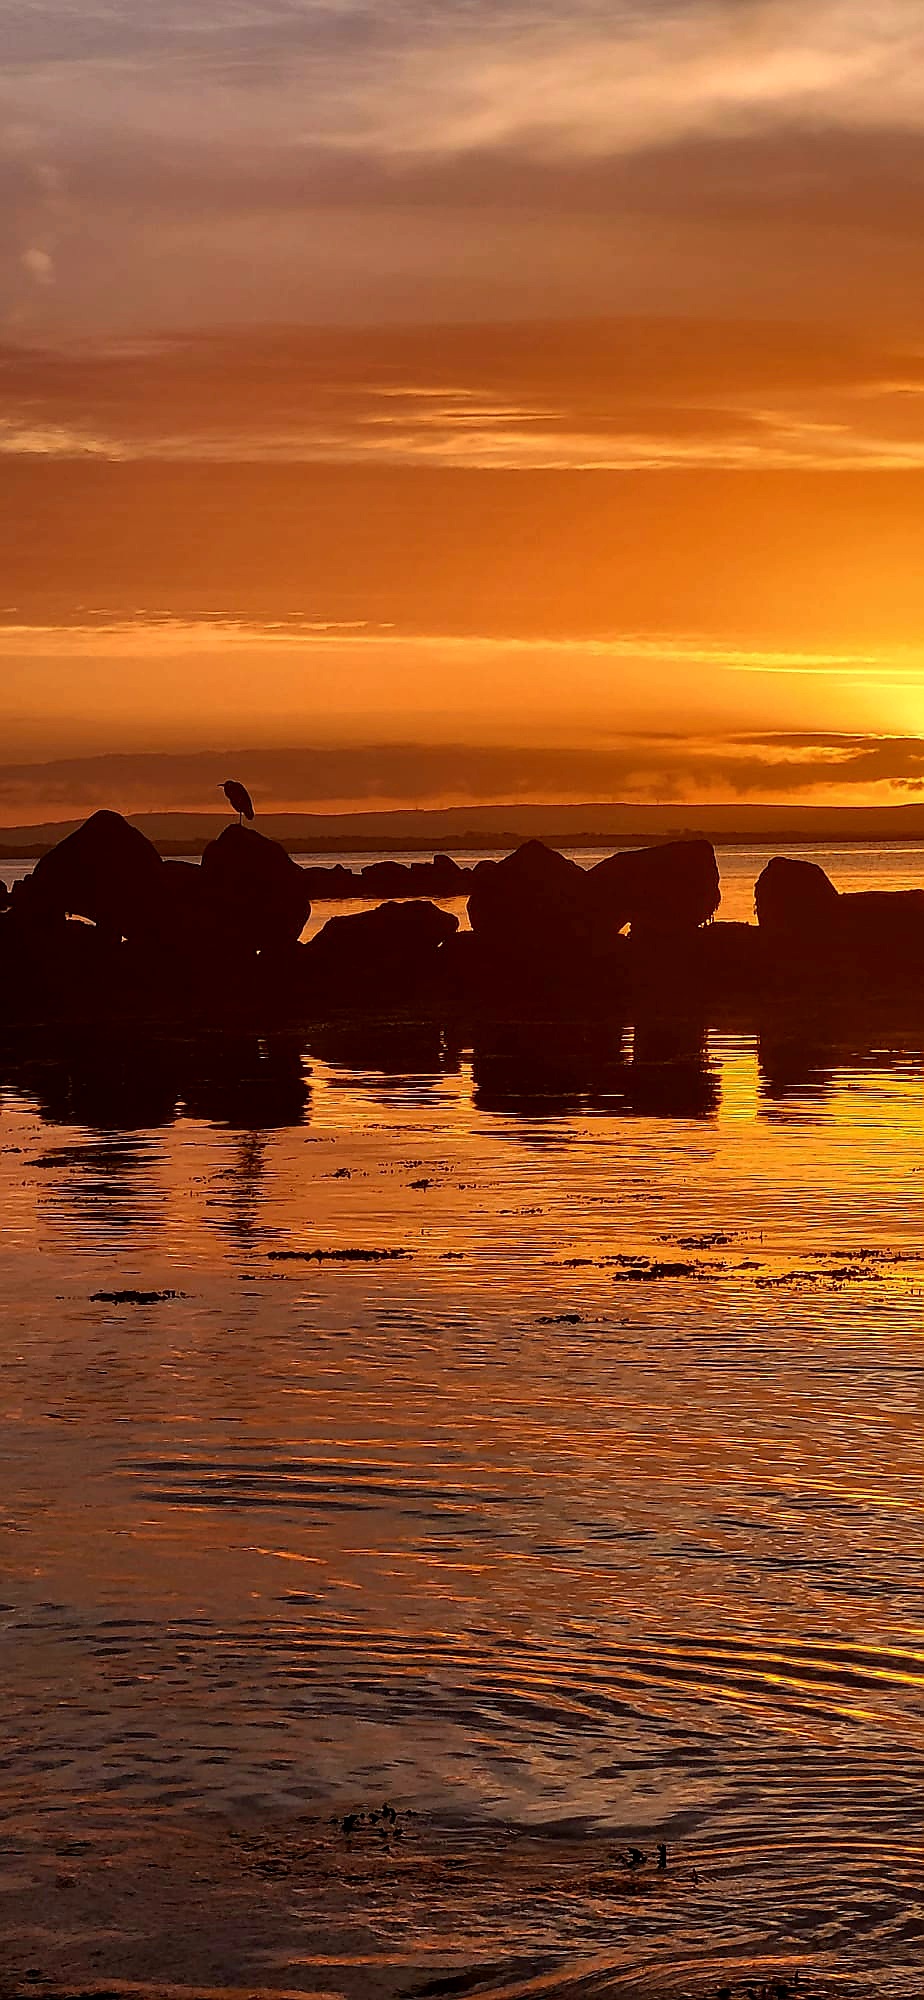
{"x":488,"y":844}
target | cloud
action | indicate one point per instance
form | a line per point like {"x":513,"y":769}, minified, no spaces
{"x":39,"y":265}
{"x":414,"y":77}
{"x":342,"y":777}
{"x":801,"y":561}
{"x":519,"y":150}
{"x":619,"y":393}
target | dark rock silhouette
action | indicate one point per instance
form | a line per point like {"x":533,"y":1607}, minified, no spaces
{"x":451,"y":877}
{"x":795,"y":900}
{"x":106,"y":871}
{"x":531,"y":897}
{"x":875,"y":936}
{"x":4,"y":896}
{"x":334,"y":884}
{"x":184,"y":925}
{"x":257,"y":894}
{"x":385,"y":953}
{"x":731,"y":962}
{"x":662,"y":889}
{"x":104,"y":931}
{"x":385,"y":878}
{"x":537,"y":894}
{"x":53,"y":968}
{"x":543,"y":923}
{"x":441,"y":877}
{"x":883,"y":920}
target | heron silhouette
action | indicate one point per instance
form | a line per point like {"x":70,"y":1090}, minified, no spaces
{"x":239,"y":799}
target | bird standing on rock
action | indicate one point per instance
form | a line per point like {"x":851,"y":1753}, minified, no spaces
{"x":239,"y":799}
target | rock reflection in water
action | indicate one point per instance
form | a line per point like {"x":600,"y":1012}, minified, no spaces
{"x":138,"y":1082}
{"x":109,"y":1083}
{"x":395,"y":1049}
{"x":251,"y":1083}
{"x":795,"y":1068}
{"x":661,"y":1071}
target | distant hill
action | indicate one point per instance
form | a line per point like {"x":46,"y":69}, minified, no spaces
{"x":449,"y":827}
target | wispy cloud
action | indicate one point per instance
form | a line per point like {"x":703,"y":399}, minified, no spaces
{"x":598,"y":152}
{"x":622,"y":394}
{"x":413,"y":76}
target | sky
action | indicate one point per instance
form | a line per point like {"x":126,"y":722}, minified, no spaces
{"x":487,"y":400}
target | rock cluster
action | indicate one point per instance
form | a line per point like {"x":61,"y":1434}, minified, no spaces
{"x":104,"y":928}
{"x":382,"y":879}
{"x":103,"y":925}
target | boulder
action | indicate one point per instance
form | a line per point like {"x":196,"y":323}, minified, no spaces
{"x":183,"y":916}
{"x":4,"y":896}
{"x":668,"y":888}
{"x":389,"y":952}
{"x":875,"y":936}
{"x":106,"y":870}
{"x":60,"y":969}
{"x":534,"y":902}
{"x":885,"y":914}
{"x":881,"y":931}
{"x":384,"y":878}
{"x":333,"y":884}
{"x":796,"y":902}
{"x":440,"y":877}
{"x":731,"y":962}
{"x":257,"y":895}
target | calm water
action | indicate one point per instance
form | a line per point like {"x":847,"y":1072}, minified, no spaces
{"x":590,"y":1520}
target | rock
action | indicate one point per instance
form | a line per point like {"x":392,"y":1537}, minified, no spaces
{"x":60,"y":969}
{"x":537,"y":938}
{"x":731,"y":962}
{"x":881,"y":931}
{"x":384,"y":878}
{"x":875,"y":936}
{"x":184,"y":919}
{"x":257,"y":895}
{"x":796,"y":902}
{"x":532,"y":903}
{"x":334,"y":884}
{"x":882,"y":913}
{"x":440,"y":877}
{"x":106,"y":870}
{"x":671,"y":887}
{"x":389,"y":952}
{"x":4,"y":896}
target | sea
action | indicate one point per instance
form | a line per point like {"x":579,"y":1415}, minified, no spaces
{"x":438,"y":1475}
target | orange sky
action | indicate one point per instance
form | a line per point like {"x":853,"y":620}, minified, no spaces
{"x":471,"y":378}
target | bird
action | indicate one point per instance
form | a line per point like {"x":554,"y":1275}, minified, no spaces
{"x":662,"y":1854}
{"x":239,"y":799}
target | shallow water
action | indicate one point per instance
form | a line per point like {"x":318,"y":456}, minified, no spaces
{"x":591,"y":1519}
